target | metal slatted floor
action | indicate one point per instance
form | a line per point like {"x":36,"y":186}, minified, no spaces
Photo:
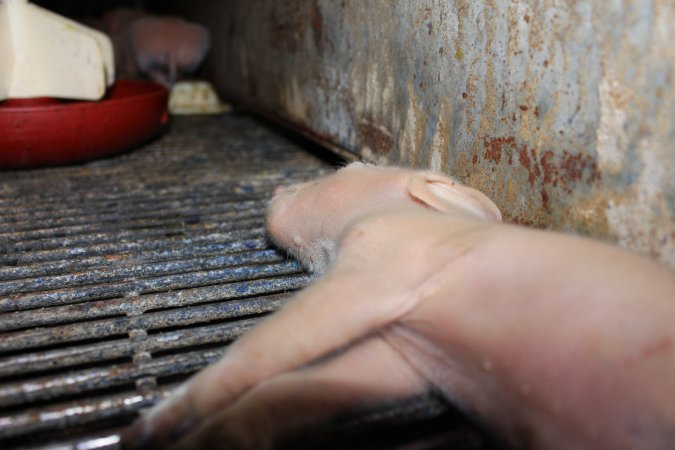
{"x":120,"y":278}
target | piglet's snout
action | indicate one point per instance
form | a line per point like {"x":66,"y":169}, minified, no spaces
{"x":279,"y":190}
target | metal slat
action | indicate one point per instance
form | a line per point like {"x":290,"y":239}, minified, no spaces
{"x":147,"y":270}
{"x":122,"y":244}
{"x":118,"y":326}
{"x":84,"y":381}
{"x":249,"y":237}
{"x":113,"y":236}
{"x":82,"y":412}
{"x":253,"y":184}
{"x":245,"y":210}
{"x":135,"y":305}
{"x":147,"y":209}
{"x":134,"y":288}
{"x":109,"y":350}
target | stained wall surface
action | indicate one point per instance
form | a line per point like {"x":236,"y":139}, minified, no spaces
{"x":562,"y":111}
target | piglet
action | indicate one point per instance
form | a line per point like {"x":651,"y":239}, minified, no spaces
{"x":552,"y":341}
{"x":162,"y":48}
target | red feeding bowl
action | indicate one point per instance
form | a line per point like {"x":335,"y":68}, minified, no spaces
{"x":44,"y":131}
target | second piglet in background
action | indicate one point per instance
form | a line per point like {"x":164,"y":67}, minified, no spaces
{"x":161,"y":48}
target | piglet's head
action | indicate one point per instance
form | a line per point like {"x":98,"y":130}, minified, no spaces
{"x":308,"y":219}
{"x":167,"y":48}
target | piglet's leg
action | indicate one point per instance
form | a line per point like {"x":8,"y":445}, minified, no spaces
{"x":369,"y":372}
{"x":326,"y":316}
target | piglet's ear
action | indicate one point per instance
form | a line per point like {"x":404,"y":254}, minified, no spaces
{"x":447,"y":195}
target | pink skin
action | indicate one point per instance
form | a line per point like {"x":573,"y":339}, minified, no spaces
{"x":162,"y":48}
{"x":166,"y":48}
{"x":554,"y":341}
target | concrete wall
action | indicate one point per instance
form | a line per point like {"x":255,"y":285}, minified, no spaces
{"x":562,"y":111}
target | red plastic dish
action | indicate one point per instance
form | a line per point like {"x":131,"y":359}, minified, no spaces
{"x":44,"y":131}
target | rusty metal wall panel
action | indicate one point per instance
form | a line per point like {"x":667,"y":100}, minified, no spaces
{"x":562,"y":111}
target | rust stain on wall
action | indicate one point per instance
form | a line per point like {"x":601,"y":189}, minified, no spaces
{"x":546,"y":170}
{"x":526,"y":160}
{"x":493,"y":148}
{"x":379,"y":141}
{"x":562,"y":169}
{"x":287,"y":25}
{"x":316,"y":22}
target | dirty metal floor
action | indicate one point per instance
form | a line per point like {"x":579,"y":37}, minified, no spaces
{"x":120,"y":278}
